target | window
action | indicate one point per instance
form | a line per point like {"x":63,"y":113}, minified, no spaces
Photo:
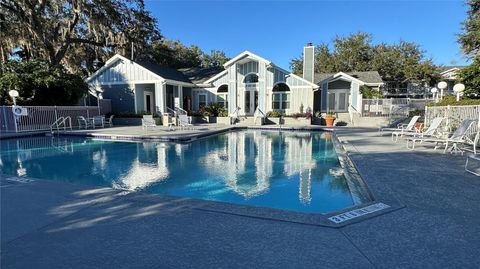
{"x":202,"y":100}
{"x":251,"y":78}
{"x":222,"y":95}
{"x":281,"y":97}
{"x":222,"y":98}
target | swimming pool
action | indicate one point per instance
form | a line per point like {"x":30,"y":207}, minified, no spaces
{"x":296,"y":171}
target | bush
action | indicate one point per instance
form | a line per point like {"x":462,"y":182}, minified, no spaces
{"x":416,"y":112}
{"x":301,"y":115}
{"x":452,"y":101}
{"x":214,"y":109}
{"x":370,"y":93}
{"x":223,"y":113}
{"x":275,"y":114}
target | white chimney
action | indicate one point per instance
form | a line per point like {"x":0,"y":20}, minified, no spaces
{"x":308,"y":62}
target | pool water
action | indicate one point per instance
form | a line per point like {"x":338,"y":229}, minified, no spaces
{"x":296,"y":171}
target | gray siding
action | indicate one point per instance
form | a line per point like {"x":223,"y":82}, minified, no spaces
{"x":339,"y":84}
{"x":123,"y":72}
{"x":121,"y":96}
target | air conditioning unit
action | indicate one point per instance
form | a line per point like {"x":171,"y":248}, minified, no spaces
{"x":19,"y":111}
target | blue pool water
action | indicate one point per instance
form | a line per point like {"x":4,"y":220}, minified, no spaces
{"x":296,"y":171}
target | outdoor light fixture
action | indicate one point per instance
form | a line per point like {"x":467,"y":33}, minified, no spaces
{"x":13,"y":94}
{"x":442,"y":85}
{"x":458,"y":89}
{"x":434,"y":91}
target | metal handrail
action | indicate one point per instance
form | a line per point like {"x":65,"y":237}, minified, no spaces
{"x":181,"y":110}
{"x":172,"y":111}
{"x":62,"y":121}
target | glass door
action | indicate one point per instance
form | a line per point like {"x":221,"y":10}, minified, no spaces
{"x":247,"y":102}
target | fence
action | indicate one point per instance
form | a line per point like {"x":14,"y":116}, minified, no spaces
{"x":454,"y":115}
{"x":385,"y":107}
{"x":40,"y":118}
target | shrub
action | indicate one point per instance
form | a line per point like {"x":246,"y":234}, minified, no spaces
{"x":452,"y":101}
{"x":134,"y":115}
{"x":223,"y":113}
{"x":214,"y":109}
{"x":301,"y":115}
{"x":370,"y":93}
{"x":275,"y":114}
{"x":416,"y":112}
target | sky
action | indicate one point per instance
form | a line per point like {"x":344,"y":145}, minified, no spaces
{"x":278,"y":30}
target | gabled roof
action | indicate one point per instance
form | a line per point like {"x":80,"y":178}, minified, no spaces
{"x":367,"y":77}
{"x":165,"y":72}
{"x":246,"y":54}
{"x":199,"y":75}
{"x":162,"y":72}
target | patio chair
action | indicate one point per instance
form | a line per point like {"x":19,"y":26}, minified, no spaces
{"x":98,"y":121}
{"x":148,"y":121}
{"x":83,"y":122}
{"x":109,"y":122}
{"x":402,"y":127}
{"x":431,"y":131}
{"x":458,"y":137}
{"x":183,"y":121}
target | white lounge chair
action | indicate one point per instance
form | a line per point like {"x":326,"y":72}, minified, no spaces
{"x":183,"y":121}
{"x":109,"y":122}
{"x":84,"y":123}
{"x":401,"y":127}
{"x":147,"y":122}
{"x":431,"y":131}
{"x":458,"y":137}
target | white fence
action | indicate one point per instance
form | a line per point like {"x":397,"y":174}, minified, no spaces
{"x":385,"y":107}
{"x":454,"y":115}
{"x":39,"y":118}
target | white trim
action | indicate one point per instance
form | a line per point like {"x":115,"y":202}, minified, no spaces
{"x":246,"y":54}
{"x":219,"y":75}
{"x":145,"y":93}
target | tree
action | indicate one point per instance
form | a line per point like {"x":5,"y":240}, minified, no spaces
{"x":76,"y":33}
{"x":215,"y":58}
{"x":40,"y":84}
{"x":470,"y":76}
{"x":470,"y":38}
{"x":396,"y":62}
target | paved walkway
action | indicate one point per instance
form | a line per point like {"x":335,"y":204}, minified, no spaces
{"x":48,"y":224}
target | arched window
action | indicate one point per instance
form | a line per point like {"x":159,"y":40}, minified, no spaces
{"x":281,"y":96}
{"x":222,"y":95}
{"x":251,"y":78}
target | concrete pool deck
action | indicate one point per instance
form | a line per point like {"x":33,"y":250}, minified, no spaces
{"x":48,"y":224}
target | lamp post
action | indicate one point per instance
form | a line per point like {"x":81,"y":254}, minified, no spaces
{"x":14,"y":95}
{"x":442,"y":85}
{"x":458,"y":89}
{"x":434,"y":91}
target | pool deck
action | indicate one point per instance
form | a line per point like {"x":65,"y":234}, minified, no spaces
{"x":49,"y":224}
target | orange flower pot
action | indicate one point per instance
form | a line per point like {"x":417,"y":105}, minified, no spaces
{"x":329,"y":122}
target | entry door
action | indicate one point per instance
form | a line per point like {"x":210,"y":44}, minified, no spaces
{"x":251,"y":102}
{"x":338,"y":101}
{"x":148,"y":101}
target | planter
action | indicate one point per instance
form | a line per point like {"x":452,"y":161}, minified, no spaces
{"x":131,"y":121}
{"x":289,"y":121}
{"x":198,"y":119}
{"x":329,"y":122}
{"x":219,"y":120}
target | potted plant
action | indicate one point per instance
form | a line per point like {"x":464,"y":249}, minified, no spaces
{"x":329,"y":119}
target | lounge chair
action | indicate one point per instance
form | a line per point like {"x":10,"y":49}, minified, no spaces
{"x":98,"y":121}
{"x":109,"y":122}
{"x":402,"y":127}
{"x":84,"y":123}
{"x":431,"y":131}
{"x":183,"y":121}
{"x":147,"y":122}
{"x":458,"y":137}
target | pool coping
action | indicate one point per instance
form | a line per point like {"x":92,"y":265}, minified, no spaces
{"x":345,"y":216}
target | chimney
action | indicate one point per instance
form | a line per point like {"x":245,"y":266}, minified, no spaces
{"x":308,"y":62}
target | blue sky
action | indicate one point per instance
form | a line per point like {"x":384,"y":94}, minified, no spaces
{"x":278,"y":30}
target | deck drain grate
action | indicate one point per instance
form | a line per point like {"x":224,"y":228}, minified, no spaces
{"x":358,"y":212}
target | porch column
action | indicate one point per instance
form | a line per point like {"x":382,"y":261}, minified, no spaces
{"x":232,"y":88}
{"x":180,"y":95}
{"x":160,"y":91}
{"x":262,"y":91}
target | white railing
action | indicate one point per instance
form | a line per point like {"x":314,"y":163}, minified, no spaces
{"x":383,"y":107}
{"x":40,"y":118}
{"x":62,"y":121}
{"x":180,"y":111}
{"x":234,"y":115}
{"x":258,"y":114}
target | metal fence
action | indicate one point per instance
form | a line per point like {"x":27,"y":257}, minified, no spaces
{"x":40,"y":118}
{"x":385,"y":107}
